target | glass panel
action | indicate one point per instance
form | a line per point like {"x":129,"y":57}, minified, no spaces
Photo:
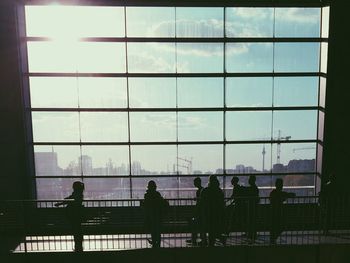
{"x":71,"y":57}
{"x":167,"y":187}
{"x":301,"y":185}
{"x":249,"y":92}
{"x":249,"y":57}
{"x":248,"y":158}
{"x":153,"y":126}
{"x":320,"y":125}
{"x":297,"y":57}
{"x":200,"y":126}
{"x":325,"y":21}
{"x":52,"y":188}
{"x":294,"y":157}
{"x":188,"y":190}
{"x":295,"y":91}
{"x":200,"y":159}
{"x":199,"y":22}
{"x":323,"y":92}
{"x":199,"y":57}
{"x":200,"y":92}
{"x":107,"y":188}
{"x":57,"y":160}
{"x":101,"y":57}
{"x":324,"y":57}
{"x":52,"y":92}
{"x":150,"y":21}
{"x":55,"y":126}
{"x":83,"y":21}
{"x":105,"y":160}
{"x":104,"y":126}
{"x":102,"y":92}
{"x":297,"y":22}
{"x":153,"y":159}
{"x":248,"y":125}
{"x":249,"y":22}
{"x":151,"y":57}
{"x":319,"y":158}
{"x":152,"y":92}
{"x":297,"y":125}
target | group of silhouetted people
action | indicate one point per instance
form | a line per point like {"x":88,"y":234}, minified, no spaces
{"x":211,"y":216}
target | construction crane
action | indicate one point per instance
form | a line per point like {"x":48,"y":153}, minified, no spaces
{"x":280,"y":138}
{"x":303,"y":148}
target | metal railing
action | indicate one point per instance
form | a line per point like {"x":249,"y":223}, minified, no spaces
{"x":37,"y":225}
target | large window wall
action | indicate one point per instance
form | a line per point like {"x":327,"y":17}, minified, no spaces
{"x":120,"y":95}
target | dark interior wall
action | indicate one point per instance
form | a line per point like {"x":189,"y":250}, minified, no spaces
{"x":13,"y":172}
{"x":12,"y":139}
{"x":337,"y":118}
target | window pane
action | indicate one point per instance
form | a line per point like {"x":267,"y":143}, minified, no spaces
{"x":153,"y":126}
{"x":325,"y":21}
{"x":52,"y":92}
{"x":54,"y":188}
{"x":249,"y":125}
{"x":294,"y":157}
{"x":57,"y":160}
{"x":151,"y":57}
{"x":199,"y":22}
{"x":105,"y":160}
{"x":200,"y":126}
{"x":83,"y":21}
{"x":102,"y":92}
{"x":152,"y":92}
{"x":71,"y":57}
{"x":107,"y":188}
{"x":295,"y":91}
{"x":301,"y":185}
{"x":299,"y":125}
{"x":167,"y":187}
{"x":249,"y":22}
{"x":104,"y":126}
{"x":55,"y":126}
{"x":249,"y":92}
{"x":200,"y":159}
{"x":200,"y":92}
{"x":297,"y":22}
{"x":249,"y":57}
{"x":324,"y":57}
{"x":150,"y":21}
{"x":248,"y":158}
{"x":199,"y":57}
{"x":322,"y":101}
{"x":297,"y":57}
{"x":153,"y":159}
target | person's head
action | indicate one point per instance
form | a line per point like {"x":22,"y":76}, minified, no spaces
{"x":252,"y":180}
{"x":234,"y":180}
{"x":279,"y":184}
{"x":78,"y":187}
{"x":152,"y":186}
{"x":197,"y":182}
{"x":213,"y":181}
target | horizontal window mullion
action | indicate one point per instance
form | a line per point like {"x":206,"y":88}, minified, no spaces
{"x":178,"y":75}
{"x":189,"y":39}
{"x":176,"y":109}
{"x":180,"y":142}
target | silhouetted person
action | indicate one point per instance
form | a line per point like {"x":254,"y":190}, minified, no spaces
{"x":252,"y":194}
{"x":195,"y":221}
{"x":235,"y":210}
{"x":212,"y":204}
{"x":277,"y":197}
{"x":74,"y":213}
{"x":155,"y":206}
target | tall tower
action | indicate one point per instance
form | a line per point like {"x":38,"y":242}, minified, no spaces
{"x":263,"y":158}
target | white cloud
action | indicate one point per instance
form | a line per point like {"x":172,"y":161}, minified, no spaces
{"x":298,"y":15}
{"x":253,"y":13}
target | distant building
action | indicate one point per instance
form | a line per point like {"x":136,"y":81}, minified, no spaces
{"x":46,"y":163}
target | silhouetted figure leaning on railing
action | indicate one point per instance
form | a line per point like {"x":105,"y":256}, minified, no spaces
{"x":277,"y":197}
{"x":155,"y":206}
{"x":74,"y":213}
{"x":212,"y":204}
{"x":195,"y":221}
{"x":252,"y":194}
{"x":235,"y":208}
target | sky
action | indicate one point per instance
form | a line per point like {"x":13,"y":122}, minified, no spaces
{"x":65,"y":54}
